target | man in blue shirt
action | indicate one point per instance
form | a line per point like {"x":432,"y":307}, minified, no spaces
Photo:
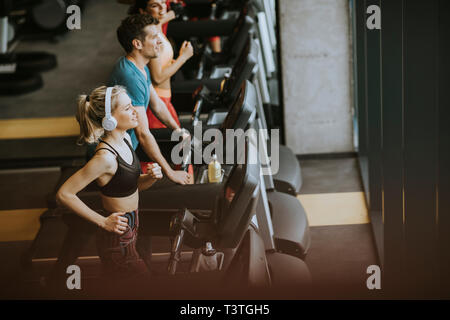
{"x":138,"y":35}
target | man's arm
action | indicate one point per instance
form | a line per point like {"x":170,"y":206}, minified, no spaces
{"x":160,"y":110}
{"x":151,"y":148}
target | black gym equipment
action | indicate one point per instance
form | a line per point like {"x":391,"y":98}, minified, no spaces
{"x":236,"y":30}
{"x":288,"y":178}
{"x":223,"y":84}
{"x":41,"y":19}
{"x":290,"y":224}
{"x":291,"y":228}
{"x":19,"y":72}
{"x":269,"y":269}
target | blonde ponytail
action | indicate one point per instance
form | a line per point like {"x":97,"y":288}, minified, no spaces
{"x":91,"y":113}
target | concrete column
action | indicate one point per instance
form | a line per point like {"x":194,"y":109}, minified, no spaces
{"x":316,"y":62}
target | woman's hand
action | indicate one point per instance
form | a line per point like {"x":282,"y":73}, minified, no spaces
{"x":168,"y":16}
{"x":116,"y":223}
{"x":186,"y":50}
{"x":154,"y":171}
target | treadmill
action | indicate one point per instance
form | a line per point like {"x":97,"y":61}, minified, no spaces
{"x":219,"y":213}
{"x":288,"y":177}
{"x":291,"y":227}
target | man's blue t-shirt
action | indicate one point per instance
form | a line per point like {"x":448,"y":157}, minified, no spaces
{"x":125,"y":73}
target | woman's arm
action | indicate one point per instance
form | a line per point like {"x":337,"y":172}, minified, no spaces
{"x":154,"y":173}
{"x":169,"y":16}
{"x":160,"y":74}
{"x":67,"y":194}
{"x":147,"y":180}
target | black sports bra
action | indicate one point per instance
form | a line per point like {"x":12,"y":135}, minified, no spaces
{"x":124,"y":182}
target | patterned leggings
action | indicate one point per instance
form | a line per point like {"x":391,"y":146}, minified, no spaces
{"x":118,"y":253}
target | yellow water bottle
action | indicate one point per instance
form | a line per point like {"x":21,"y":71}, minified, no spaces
{"x":214,"y":170}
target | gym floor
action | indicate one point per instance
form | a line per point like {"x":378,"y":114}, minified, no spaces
{"x":342,"y":245}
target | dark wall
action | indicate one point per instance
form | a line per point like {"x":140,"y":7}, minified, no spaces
{"x":403,"y":109}
{"x":367,"y":60}
{"x":443,"y":165}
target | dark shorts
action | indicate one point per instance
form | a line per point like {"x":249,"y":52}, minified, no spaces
{"x":118,"y":253}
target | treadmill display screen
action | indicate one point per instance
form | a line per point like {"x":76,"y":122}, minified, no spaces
{"x":233,"y":184}
{"x":229,"y":195}
{"x":233,"y":113}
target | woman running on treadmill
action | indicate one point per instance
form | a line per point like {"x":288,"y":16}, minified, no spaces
{"x":140,"y":6}
{"x":105,"y":116}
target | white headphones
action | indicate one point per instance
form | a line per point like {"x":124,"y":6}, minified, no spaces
{"x":109,"y":123}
